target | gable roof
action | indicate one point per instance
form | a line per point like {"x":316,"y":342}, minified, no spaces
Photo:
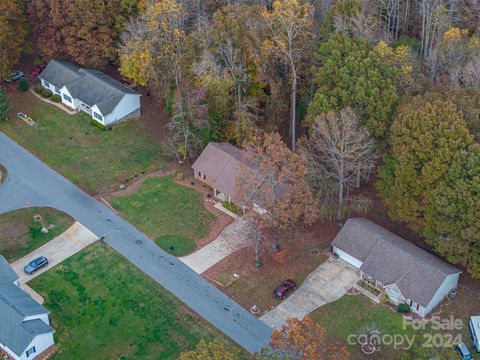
{"x":7,"y":274}
{"x":15,"y":307}
{"x":221,"y":162}
{"x":392,"y":260}
{"x":90,"y":86}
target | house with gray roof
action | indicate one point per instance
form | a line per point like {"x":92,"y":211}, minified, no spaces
{"x":25,"y":331}
{"x":407,"y":273}
{"x":102,"y":97}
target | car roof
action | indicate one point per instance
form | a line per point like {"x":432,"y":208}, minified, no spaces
{"x":463,"y":348}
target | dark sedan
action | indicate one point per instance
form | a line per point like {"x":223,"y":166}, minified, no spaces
{"x":35,"y":265}
{"x":286,"y":287}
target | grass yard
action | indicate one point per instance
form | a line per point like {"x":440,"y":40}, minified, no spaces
{"x":349,"y":314}
{"x":170,"y":213}
{"x":103,"y":307}
{"x":20,"y":234}
{"x":86,"y":155}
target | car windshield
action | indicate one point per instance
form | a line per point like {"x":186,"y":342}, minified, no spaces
{"x":35,"y":262}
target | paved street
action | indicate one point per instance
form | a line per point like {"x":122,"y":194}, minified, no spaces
{"x":327,"y":283}
{"x":30,"y":179}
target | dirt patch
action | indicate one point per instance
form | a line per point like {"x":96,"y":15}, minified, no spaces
{"x":295,"y":260}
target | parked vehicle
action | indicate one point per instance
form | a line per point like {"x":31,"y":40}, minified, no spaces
{"x":286,"y":287}
{"x":464,"y":352}
{"x":35,"y":265}
{"x":17,"y":75}
{"x":38,"y":70}
{"x":474,"y":325}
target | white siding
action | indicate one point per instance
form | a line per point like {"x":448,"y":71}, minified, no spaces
{"x":75,"y":102}
{"x":128,"y":104}
{"x":41,"y":343}
{"x":348,"y":258}
{"x":450,"y":282}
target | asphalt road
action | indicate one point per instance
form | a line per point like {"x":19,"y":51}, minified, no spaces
{"x":31,"y":180}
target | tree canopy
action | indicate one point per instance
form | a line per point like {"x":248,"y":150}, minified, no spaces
{"x":425,"y":138}
{"x":13,"y":34}
{"x":351,"y":74}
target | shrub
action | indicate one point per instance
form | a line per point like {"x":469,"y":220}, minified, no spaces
{"x":56,"y":98}
{"x":23,"y":85}
{"x":46,"y":93}
{"x":98,"y":125}
{"x":229,"y":206}
{"x":403,"y":308}
{"x":384,"y":299}
{"x":38,"y":89}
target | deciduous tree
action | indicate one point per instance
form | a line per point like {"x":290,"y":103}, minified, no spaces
{"x":153,"y":47}
{"x":84,"y":31}
{"x":275,"y":184}
{"x":13,"y":34}
{"x":291,"y":26}
{"x":208,"y":351}
{"x":339,"y":151}
{"x":188,"y":120}
{"x":304,"y":340}
{"x":351,"y":74}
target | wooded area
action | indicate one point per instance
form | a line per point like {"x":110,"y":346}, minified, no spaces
{"x":352,"y":86}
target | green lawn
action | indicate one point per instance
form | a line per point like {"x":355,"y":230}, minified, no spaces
{"x":162,"y":207}
{"x":86,"y":155}
{"x":103,"y":307}
{"x":349,"y":314}
{"x":20,"y":234}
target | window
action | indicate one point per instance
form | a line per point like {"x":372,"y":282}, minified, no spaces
{"x":46,"y":83}
{"x":98,"y":116}
{"x":201,"y":175}
{"x":394,"y":295}
{"x":57,"y":90}
{"x":31,"y":351}
{"x":67,"y":98}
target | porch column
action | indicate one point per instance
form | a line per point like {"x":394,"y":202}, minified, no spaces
{"x":214,"y":192}
{"x":229,"y":199}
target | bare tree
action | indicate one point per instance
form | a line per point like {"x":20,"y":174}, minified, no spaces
{"x":291,"y":25}
{"x":436,"y":18}
{"x":341,"y":153}
{"x":190,"y":115}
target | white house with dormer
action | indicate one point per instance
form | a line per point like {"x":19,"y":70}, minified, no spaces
{"x":102,"y":97}
{"x":25,"y":331}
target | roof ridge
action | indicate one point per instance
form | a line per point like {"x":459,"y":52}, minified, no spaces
{"x":15,"y":308}
{"x":409,"y":254}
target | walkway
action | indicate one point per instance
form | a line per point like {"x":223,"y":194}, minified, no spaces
{"x":32,"y":180}
{"x":234,"y":237}
{"x":67,"y":244}
{"x":327,"y":283}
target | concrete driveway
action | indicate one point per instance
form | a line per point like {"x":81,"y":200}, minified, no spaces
{"x":234,"y":237}
{"x":327,"y":283}
{"x":71,"y":241}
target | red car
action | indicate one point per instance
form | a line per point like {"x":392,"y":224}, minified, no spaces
{"x":38,"y":70}
{"x":282,"y":290}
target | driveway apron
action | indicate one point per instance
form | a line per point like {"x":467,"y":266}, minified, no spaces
{"x":327,"y":283}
